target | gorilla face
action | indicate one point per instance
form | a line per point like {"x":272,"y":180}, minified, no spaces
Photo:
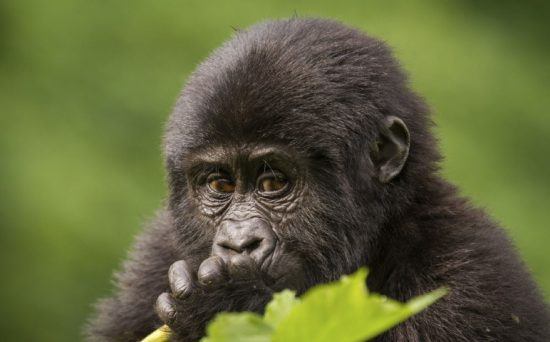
{"x":283,"y":213}
{"x":248,"y":197}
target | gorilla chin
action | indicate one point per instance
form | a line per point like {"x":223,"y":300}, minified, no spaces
{"x":295,"y":154}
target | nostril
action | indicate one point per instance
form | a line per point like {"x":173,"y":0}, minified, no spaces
{"x":245,"y":245}
{"x":252,"y":245}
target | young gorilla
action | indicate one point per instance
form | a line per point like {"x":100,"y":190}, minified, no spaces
{"x":296,"y":154}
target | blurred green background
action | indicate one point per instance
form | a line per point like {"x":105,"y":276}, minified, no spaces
{"x":85,"y":87}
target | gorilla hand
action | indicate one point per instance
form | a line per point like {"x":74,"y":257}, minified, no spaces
{"x":232,"y":285}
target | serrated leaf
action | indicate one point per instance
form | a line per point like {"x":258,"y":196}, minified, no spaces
{"x":279,"y":307}
{"x":344,"y":311}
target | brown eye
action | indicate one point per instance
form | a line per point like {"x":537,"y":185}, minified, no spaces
{"x":272,"y":183}
{"x":220,"y":184}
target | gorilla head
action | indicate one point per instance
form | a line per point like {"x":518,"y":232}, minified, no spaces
{"x":289,"y":146}
{"x":296,"y":153}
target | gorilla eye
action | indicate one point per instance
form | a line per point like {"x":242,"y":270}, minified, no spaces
{"x":272,"y":182}
{"x":221,"y":183}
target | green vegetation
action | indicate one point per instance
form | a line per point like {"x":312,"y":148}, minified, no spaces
{"x":85,"y":87}
{"x":341,"y":311}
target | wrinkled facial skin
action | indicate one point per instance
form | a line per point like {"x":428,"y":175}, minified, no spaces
{"x":247,"y":197}
{"x":252,"y":198}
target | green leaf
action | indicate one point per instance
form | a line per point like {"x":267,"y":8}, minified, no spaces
{"x":232,"y":327}
{"x":344,"y":311}
{"x":279,"y":307}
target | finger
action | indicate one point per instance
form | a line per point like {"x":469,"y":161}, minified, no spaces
{"x":180,"y":278}
{"x":242,"y":267}
{"x":212,"y":271}
{"x":166,"y":308}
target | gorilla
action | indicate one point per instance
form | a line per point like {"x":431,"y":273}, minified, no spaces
{"x":295,"y":154}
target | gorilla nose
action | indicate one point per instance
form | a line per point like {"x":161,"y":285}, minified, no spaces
{"x":252,"y":237}
{"x":246,"y":245}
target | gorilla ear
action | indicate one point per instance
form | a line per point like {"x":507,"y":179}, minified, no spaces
{"x":391,"y":150}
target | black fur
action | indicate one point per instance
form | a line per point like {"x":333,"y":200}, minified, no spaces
{"x":321,"y":90}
